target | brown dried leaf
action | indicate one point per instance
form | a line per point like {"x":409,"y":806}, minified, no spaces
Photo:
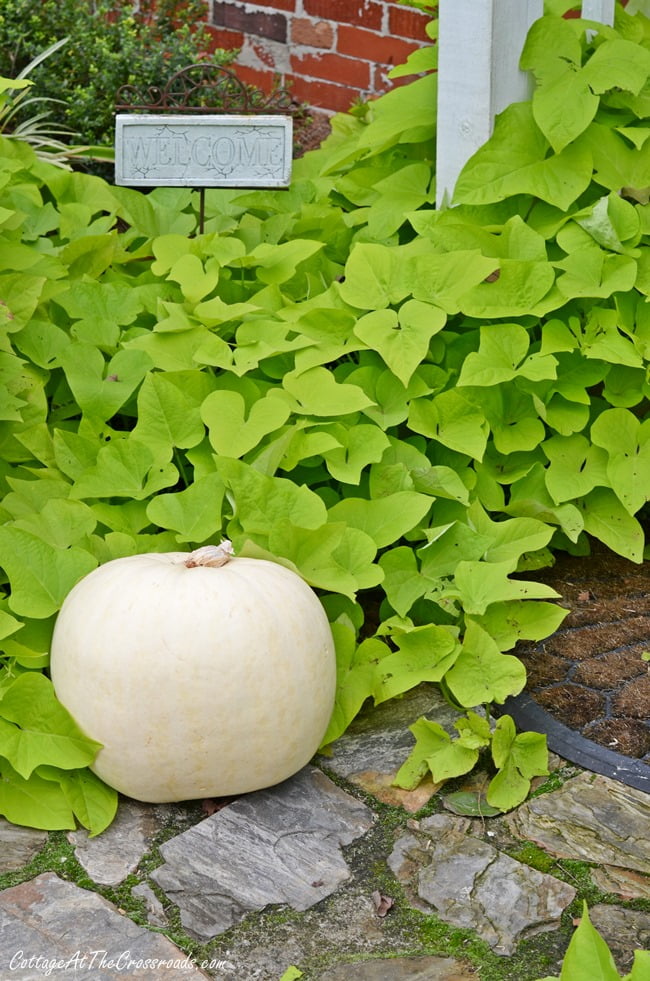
{"x":210,"y":805}
{"x":382,"y":903}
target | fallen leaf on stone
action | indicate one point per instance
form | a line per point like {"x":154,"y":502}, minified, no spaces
{"x":469,"y":804}
{"x":382,"y":903}
{"x":317,"y":884}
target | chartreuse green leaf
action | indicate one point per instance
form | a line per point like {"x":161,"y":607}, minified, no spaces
{"x":195,"y":280}
{"x":30,"y":646}
{"x":93,"y":803}
{"x":278,"y":263}
{"x":509,"y":539}
{"x":627,"y":443}
{"x":515,"y":160}
{"x":502,"y":355}
{"x":167,"y":416}
{"x":356,"y":676}
{"x":194,"y":513}
{"x":260,"y":501}
{"x":588,"y":956}
{"x":402,"y":338}
{"x":374,"y":277}
{"x":640,"y":967}
{"x":41,"y":574}
{"x":8,"y":624}
{"x":518,"y":758}
{"x":33,"y":802}
{"x":60,"y":522}
{"x":515,"y":620}
{"x":353,"y":450}
{"x":101,"y":388}
{"x":481,"y":673}
{"x":575,"y":467}
{"x":521,"y":288}
{"x":36,"y":729}
{"x":332,"y":557}
{"x":125,"y":468}
{"x":101,"y":307}
{"x":446,"y":544}
{"x":317,"y":393}
{"x":385,"y":519}
{"x":608,"y":520}
{"x":442,"y":279}
{"x":232,"y":430}
{"x":437,"y":752}
{"x":403,"y":581}
{"x":292,"y":973}
{"x":453,"y":420}
{"x":616,"y":164}
{"x":479,"y":584}
{"x":423,"y":654}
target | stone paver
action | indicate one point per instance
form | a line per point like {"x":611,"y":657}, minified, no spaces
{"x":622,"y":882}
{"x":273,"y":846}
{"x":49,"y":925}
{"x":591,"y":818}
{"x":18,"y":846}
{"x":400,"y":969}
{"x":108,"y":858}
{"x":624,"y":931}
{"x":470,"y":884}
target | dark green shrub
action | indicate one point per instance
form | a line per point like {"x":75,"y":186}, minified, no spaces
{"x":110,"y":44}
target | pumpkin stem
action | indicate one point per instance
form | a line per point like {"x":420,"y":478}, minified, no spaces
{"x":210,"y":555}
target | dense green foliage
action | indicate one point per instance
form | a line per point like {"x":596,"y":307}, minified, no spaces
{"x":109,"y":45}
{"x":411,"y":407}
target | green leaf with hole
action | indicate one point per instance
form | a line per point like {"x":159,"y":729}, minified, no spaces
{"x":101,"y":387}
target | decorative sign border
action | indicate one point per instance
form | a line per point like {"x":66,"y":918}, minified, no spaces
{"x":174,"y":150}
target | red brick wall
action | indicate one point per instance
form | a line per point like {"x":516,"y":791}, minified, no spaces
{"x":333,"y":52}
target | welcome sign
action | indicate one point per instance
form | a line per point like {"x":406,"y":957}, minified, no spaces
{"x":203,"y":150}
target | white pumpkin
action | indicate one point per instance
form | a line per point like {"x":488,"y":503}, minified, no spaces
{"x":202,"y":675}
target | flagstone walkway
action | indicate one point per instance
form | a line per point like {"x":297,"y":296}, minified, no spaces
{"x":335,"y":873}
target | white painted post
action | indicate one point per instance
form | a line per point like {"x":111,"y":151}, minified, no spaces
{"x":480,"y":43}
{"x":600,"y":10}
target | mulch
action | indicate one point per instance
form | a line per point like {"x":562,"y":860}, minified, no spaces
{"x":591,"y":674}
